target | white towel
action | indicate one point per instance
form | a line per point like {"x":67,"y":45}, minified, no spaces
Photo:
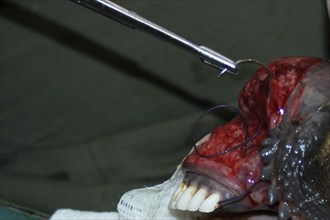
{"x":152,"y":203}
{"x":69,"y":214}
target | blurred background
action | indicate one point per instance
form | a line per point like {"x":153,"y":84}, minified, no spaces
{"x":91,"y":109}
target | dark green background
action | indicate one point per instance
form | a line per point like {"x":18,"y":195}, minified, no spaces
{"x":91,"y":109}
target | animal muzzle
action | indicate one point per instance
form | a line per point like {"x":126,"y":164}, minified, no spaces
{"x":292,"y":177}
{"x":274,"y":155}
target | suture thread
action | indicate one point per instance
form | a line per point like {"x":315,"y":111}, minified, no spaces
{"x":229,"y":149}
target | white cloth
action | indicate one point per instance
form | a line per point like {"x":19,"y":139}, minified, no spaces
{"x":69,"y":214}
{"x":151,"y":203}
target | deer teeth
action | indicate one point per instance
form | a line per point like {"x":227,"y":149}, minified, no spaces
{"x":210,"y":203}
{"x":182,"y":187}
{"x":191,"y":198}
{"x":185,"y":198}
{"x":197,"y":200}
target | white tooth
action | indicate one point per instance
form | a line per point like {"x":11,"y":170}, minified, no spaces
{"x":210,"y":203}
{"x":197,"y":200}
{"x":185,"y":198}
{"x":177,"y":195}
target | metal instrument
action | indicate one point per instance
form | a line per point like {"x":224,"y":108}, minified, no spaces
{"x":133,"y":20}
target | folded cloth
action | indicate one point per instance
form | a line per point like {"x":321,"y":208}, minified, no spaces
{"x":68,"y":214}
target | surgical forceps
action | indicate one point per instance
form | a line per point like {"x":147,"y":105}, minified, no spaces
{"x":133,"y":20}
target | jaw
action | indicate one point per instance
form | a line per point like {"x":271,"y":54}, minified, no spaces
{"x":206,"y":190}
{"x":211,"y":184}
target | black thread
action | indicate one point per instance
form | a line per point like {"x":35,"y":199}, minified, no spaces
{"x":232,"y":148}
{"x":241,"y":196}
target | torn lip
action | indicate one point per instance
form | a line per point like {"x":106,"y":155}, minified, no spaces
{"x":219,"y":182}
{"x":237,"y":178}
